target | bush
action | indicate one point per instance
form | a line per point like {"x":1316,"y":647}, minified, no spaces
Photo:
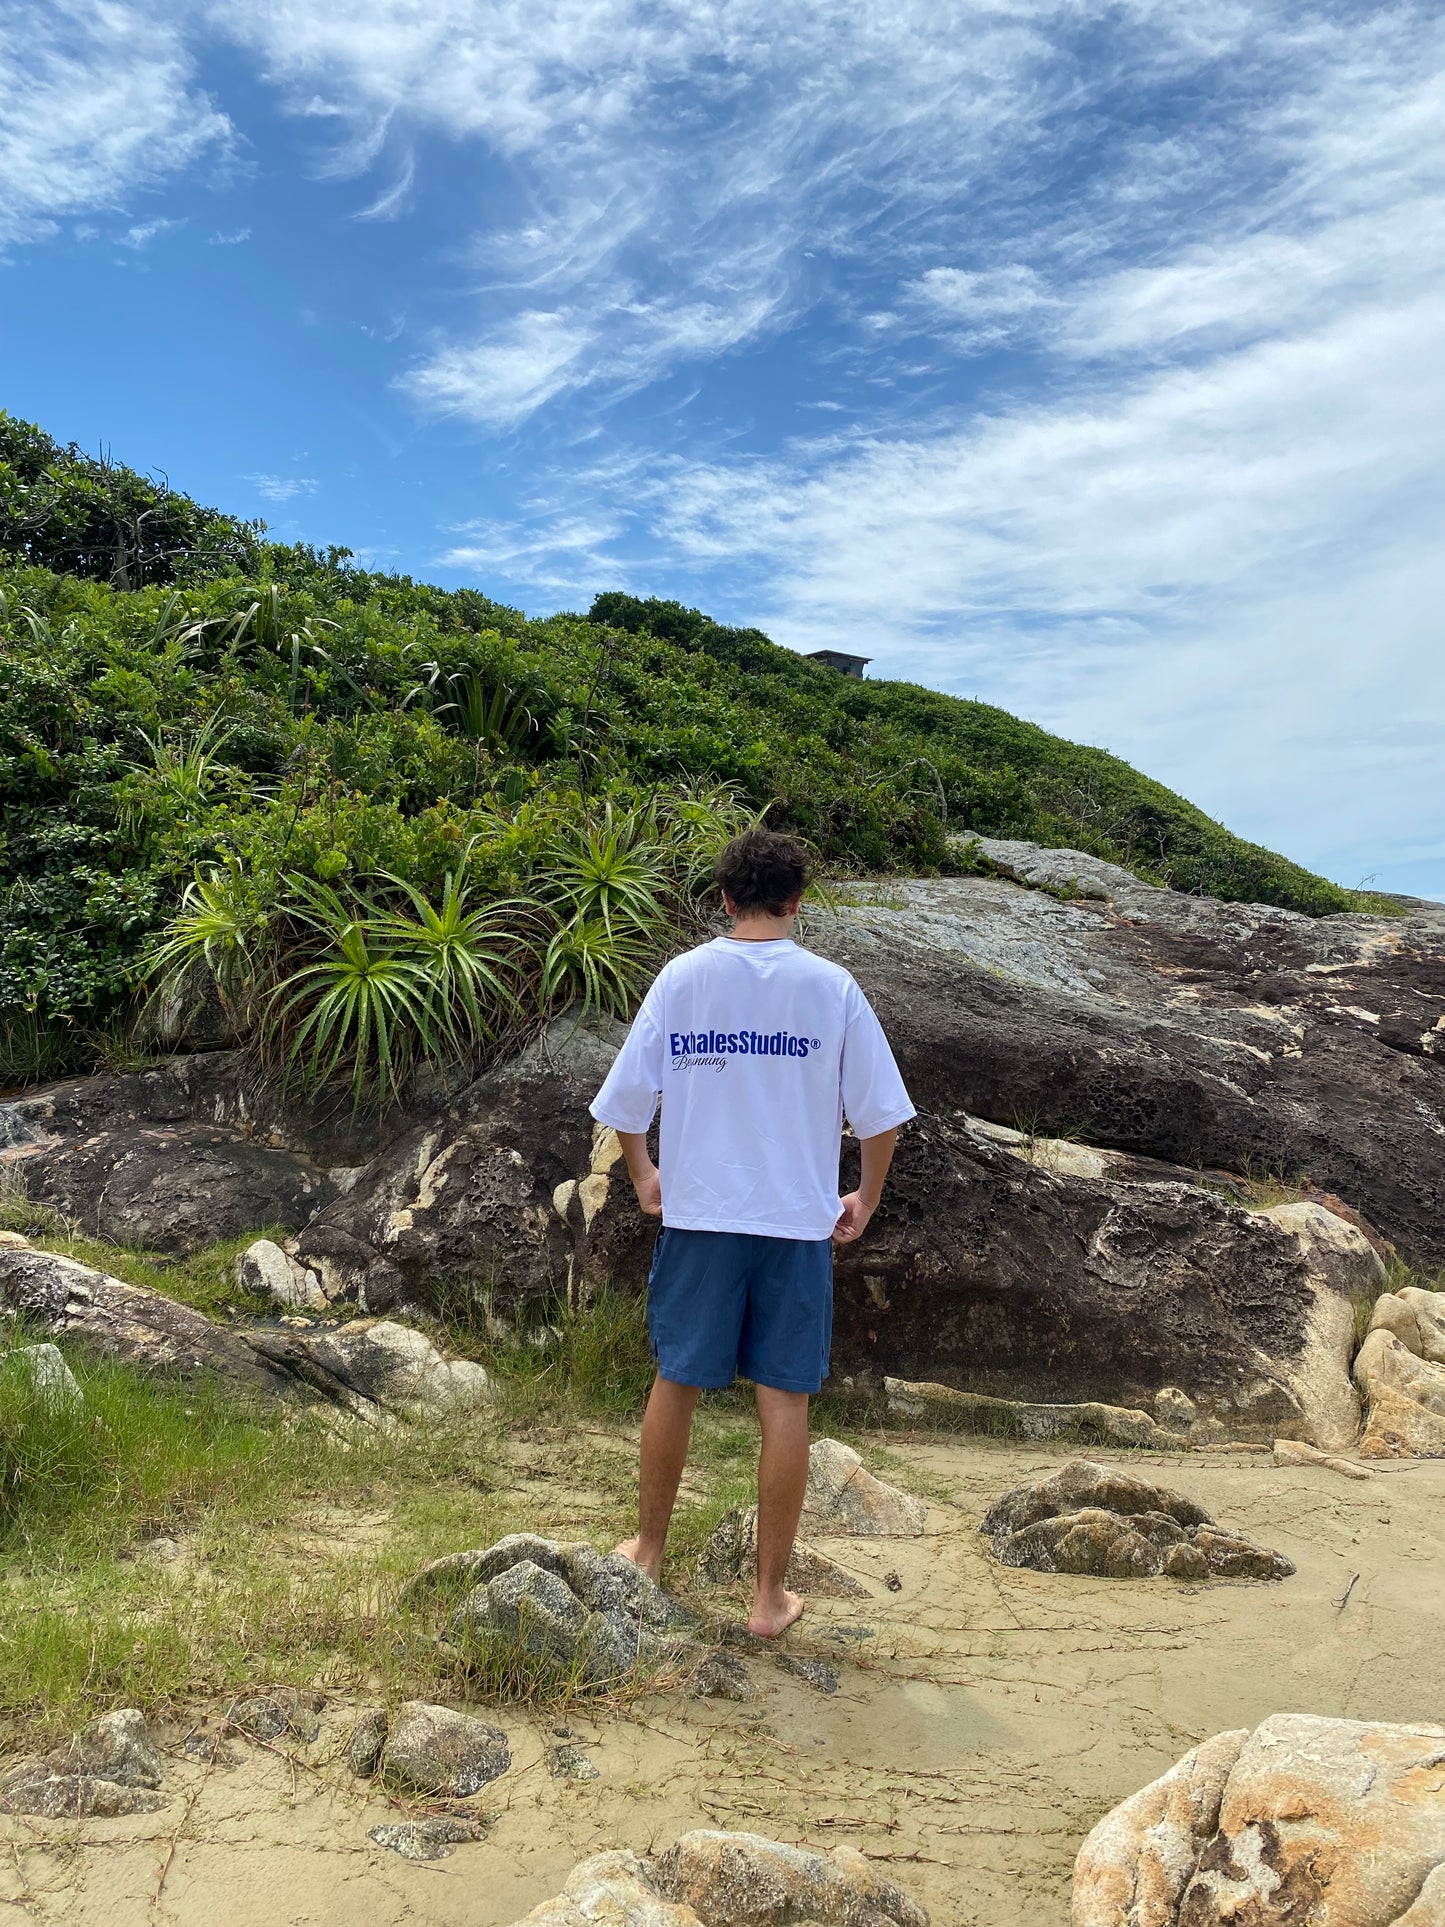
{"x":296,"y":771}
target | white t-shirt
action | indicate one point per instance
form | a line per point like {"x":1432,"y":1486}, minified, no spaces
{"x":757,"y":1050}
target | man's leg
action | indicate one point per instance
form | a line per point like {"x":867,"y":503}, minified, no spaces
{"x":666,"y":1429}
{"x":782,"y":1481}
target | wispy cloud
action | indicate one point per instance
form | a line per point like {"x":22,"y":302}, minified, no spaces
{"x":95,"y":102}
{"x":229,"y":238}
{"x":139,"y":236}
{"x":282,"y":488}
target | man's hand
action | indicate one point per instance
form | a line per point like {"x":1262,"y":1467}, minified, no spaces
{"x":853,"y":1219}
{"x":646,"y":1181}
{"x":648,"y":1187}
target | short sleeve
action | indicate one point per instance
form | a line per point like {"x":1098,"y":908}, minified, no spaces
{"x":874,"y":1096}
{"x":629,"y":1094}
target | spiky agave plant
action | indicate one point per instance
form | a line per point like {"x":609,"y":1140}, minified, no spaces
{"x":224,"y":924}
{"x":472,"y":956}
{"x":357,"y":1001}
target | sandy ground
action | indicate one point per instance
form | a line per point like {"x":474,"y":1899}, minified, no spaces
{"x":989,"y":1721}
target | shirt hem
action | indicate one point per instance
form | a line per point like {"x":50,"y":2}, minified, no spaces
{"x":752,"y":1230}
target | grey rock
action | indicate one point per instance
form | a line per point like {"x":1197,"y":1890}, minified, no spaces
{"x":568,"y":1762}
{"x":371,"y":1367}
{"x":816,"y":1673}
{"x":34,"y":1789}
{"x":722,"y":1676}
{"x":435,"y":1837}
{"x":433,"y":1749}
{"x":730,"y":1552}
{"x":844,"y":1498}
{"x":280,"y":1713}
{"x":51,"y":1380}
{"x":580,"y":1614}
{"x":1090,"y":1519}
{"x":116,"y":1746}
{"x":263,"y":1267}
{"x":1090,"y":1420}
{"x":368,"y":1737}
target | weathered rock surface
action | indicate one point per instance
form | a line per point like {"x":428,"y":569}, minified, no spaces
{"x":1133,"y":1868}
{"x":57,"y":1295}
{"x":729,"y":1880}
{"x":174,"y":1187}
{"x":263,"y":1267}
{"x":1400,"y":1370}
{"x":282,"y":1712}
{"x":1089,"y":1518}
{"x":844,"y":1499}
{"x":1091,"y":1421}
{"x":731,"y":1552}
{"x":436,"y":1836}
{"x":1335,"y":1823}
{"x":573,"y":1611}
{"x":1209,"y":1035}
{"x":567,"y":1761}
{"x":110,"y":1768}
{"x":432,"y":1749}
{"x":373,"y":1365}
{"x":1296,"y":1452}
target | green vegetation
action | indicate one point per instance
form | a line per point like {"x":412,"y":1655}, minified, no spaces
{"x":390,"y":824}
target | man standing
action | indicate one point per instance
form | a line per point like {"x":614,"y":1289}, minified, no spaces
{"x":757,"y":1049}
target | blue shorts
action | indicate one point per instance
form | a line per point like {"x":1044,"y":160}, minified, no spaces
{"x":727,"y":1304}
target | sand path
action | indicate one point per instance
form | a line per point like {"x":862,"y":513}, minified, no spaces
{"x":980,"y":1731}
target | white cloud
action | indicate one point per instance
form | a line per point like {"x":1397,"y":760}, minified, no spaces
{"x":229,"y":238}
{"x":96,"y":100}
{"x":139,"y":236}
{"x":282,"y":488}
{"x":505,"y":376}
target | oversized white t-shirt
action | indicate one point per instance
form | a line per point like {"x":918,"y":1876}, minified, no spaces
{"x":757,"y":1051}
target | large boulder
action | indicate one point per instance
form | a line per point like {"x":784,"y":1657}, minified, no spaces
{"x":1092,"y":1519}
{"x":711,"y":1879}
{"x":1033,"y":1284}
{"x":1210,"y":1035}
{"x":1306,"y":1822}
{"x":1400,"y":1370}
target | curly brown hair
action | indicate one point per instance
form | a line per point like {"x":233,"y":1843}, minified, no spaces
{"x":763,"y":870}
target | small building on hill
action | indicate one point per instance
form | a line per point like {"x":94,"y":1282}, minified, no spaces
{"x":845,"y":665}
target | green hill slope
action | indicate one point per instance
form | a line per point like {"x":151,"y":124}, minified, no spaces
{"x":179,"y":696}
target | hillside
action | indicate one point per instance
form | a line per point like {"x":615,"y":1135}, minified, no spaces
{"x":273,"y":744}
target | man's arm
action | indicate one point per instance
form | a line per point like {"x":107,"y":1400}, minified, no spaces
{"x":643,"y":1172}
{"x":859,"y":1205}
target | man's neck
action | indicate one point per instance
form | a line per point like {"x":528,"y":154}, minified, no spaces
{"x":761,"y":929}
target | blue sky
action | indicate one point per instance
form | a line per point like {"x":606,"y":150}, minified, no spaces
{"x":1086,"y":358}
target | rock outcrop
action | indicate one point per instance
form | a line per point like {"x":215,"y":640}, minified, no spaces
{"x":1209,"y":1035}
{"x":102,"y":1314}
{"x":1305,"y":1820}
{"x":566,"y":1612}
{"x":729,"y":1880}
{"x":1187,"y":1041}
{"x":1091,"y":1519}
{"x":1400,"y":1370}
{"x":371,"y":1368}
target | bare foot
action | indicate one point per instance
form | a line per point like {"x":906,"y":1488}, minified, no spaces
{"x":632,"y":1549}
{"x":775,"y":1616}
